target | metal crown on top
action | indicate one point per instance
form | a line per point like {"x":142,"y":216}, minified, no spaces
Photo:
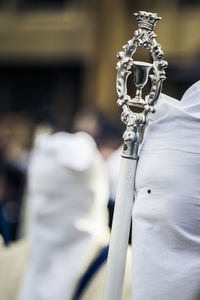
{"x":147,"y":20}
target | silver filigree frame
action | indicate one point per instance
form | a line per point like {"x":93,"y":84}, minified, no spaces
{"x":144,"y":37}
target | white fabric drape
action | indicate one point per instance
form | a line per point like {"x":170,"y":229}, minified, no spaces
{"x":166,"y":215}
{"x":68,"y":192}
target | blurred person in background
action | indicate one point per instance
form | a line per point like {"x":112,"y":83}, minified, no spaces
{"x":106,"y":133}
{"x":108,"y":136}
{"x":15,"y":136}
{"x":11,"y":192}
{"x":87,"y":119}
{"x":15,"y":139}
{"x":68,"y":237}
{"x":66,"y":176}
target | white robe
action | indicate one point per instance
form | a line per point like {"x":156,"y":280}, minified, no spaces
{"x":166,"y":214}
{"x":13,"y":261}
{"x":68,"y":194}
{"x":68,"y":191}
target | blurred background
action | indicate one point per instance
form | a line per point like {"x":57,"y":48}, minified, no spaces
{"x":58,"y":73}
{"x":57,"y":69}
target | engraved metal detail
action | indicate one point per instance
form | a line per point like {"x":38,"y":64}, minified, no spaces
{"x":144,"y":37}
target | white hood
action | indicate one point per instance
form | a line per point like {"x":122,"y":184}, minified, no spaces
{"x":175,"y":123}
{"x":68,"y":193}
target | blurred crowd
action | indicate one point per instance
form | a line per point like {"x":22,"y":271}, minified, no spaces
{"x":17,"y":136}
{"x":57,"y":193}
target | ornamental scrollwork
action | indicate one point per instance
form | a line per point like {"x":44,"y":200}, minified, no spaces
{"x":144,"y":37}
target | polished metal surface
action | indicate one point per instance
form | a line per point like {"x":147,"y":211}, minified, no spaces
{"x":141,"y":75}
{"x":144,"y":37}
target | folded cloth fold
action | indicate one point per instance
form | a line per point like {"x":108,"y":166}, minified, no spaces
{"x":166,"y":214}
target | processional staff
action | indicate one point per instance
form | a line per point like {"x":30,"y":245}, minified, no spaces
{"x":144,"y":37}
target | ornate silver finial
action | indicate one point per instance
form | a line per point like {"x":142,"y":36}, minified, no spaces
{"x":144,"y":37}
{"x":146,"y":20}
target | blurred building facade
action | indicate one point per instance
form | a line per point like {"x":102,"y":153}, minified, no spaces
{"x":58,"y":55}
